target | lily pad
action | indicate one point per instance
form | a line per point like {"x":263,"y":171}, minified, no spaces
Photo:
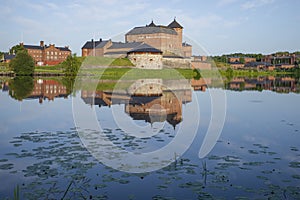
{"x":7,"y":166}
{"x":294,"y":164}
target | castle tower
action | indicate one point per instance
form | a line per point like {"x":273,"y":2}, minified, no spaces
{"x":178,"y":28}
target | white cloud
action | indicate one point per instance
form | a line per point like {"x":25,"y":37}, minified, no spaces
{"x":52,"y":5}
{"x":251,"y":4}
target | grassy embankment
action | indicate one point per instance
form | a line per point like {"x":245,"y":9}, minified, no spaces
{"x":123,"y":68}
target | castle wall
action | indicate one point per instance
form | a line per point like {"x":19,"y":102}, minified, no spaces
{"x":167,"y":43}
{"x":171,"y":62}
{"x":201,"y":65}
{"x":187,"y":51}
{"x":146,"y":60}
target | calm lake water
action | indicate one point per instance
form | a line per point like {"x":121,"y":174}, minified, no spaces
{"x":44,"y":154}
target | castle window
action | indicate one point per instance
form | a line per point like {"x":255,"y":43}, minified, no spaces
{"x":151,"y":59}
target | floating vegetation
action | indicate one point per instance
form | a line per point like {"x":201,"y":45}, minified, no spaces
{"x":253,"y":163}
{"x":270,"y":153}
{"x":262,"y":177}
{"x":224,"y":166}
{"x":232,"y":159}
{"x":7,"y":166}
{"x":159,"y":197}
{"x":294,"y":149}
{"x":61,"y":167}
{"x":195,"y":186}
{"x":214,"y":157}
{"x":296,"y":176}
{"x":294,"y":164}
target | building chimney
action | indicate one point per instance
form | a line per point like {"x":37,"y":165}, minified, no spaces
{"x":100,"y":40}
{"x":92,"y":40}
{"x":41,"y":43}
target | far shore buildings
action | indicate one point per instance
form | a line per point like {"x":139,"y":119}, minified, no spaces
{"x":7,"y":57}
{"x":154,"y":45}
{"x":47,"y":54}
{"x":267,"y":62}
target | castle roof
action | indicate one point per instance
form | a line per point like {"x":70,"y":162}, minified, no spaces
{"x":95,"y":44}
{"x":152,"y":24}
{"x":121,"y":45}
{"x":151,"y":30}
{"x":184,"y":44}
{"x":174,"y":24}
{"x":145,"y":48}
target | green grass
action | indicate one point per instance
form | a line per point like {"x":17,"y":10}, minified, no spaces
{"x":121,"y":62}
{"x":4,"y":67}
{"x":251,"y":73}
{"x":133,"y":73}
{"x":56,"y":71}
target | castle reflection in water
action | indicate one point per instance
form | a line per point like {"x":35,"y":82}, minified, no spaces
{"x":151,"y":100}
{"x":154,"y":100}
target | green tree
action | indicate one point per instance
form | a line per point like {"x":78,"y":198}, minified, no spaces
{"x":71,"y":65}
{"x":21,"y":87}
{"x":15,"y":49}
{"x":22,"y":64}
{"x":242,"y":60}
{"x":229,"y":74}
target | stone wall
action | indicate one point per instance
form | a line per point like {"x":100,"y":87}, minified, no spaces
{"x":146,"y":60}
{"x":187,"y":51}
{"x":173,"y":62}
{"x":201,"y":65}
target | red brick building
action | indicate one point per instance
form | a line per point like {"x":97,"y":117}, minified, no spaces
{"x":47,"y":54}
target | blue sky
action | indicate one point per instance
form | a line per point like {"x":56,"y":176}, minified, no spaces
{"x":219,"y":26}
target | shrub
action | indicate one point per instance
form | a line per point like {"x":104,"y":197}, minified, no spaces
{"x":22,"y":64}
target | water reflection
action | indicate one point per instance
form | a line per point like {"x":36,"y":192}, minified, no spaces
{"x":150,"y":100}
{"x":21,"y":87}
{"x":48,"y":89}
{"x":276,"y":84}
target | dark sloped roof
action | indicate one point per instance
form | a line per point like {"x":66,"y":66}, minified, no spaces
{"x":151,"y":30}
{"x":184,"y":44}
{"x":32,"y":47}
{"x":115,"y":53}
{"x":152,"y":24}
{"x":145,"y":48}
{"x":8,"y":56}
{"x":42,"y":47}
{"x":236,"y":63}
{"x":255,"y":64}
{"x":64,"y":48}
{"x":174,"y":24}
{"x":121,"y":45}
{"x":96,"y":44}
